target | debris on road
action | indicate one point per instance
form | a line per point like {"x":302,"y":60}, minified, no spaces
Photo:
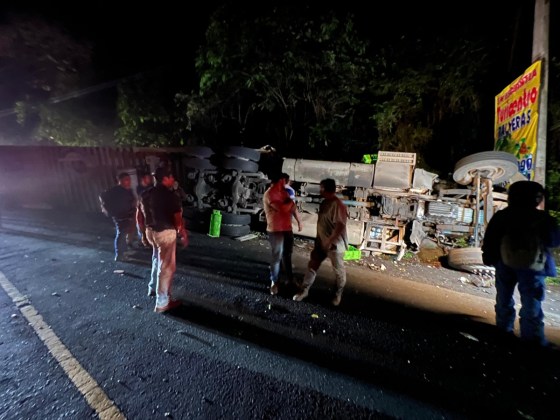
{"x":470,"y":337}
{"x":247,"y":237}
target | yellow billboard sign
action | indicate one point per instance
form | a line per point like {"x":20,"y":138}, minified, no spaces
{"x":516,"y":119}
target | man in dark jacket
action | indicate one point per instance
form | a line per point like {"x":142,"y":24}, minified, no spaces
{"x":160,"y":219}
{"x":119,"y":203}
{"x":524,"y":200}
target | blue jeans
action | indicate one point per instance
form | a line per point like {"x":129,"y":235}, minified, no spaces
{"x":125,"y":229}
{"x":164,"y":246}
{"x":282,"y":244}
{"x":531,"y":288}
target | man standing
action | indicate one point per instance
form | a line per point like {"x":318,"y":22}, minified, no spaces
{"x":519,"y":225}
{"x":119,"y":203}
{"x":146,"y":182}
{"x":291,"y":191}
{"x":279,"y":209}
{"x":331,"y":241}
{"x":160,"y":219}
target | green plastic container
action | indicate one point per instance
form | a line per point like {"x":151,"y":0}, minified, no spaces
{"x":215,"y":224}
{"x":352,"y":253}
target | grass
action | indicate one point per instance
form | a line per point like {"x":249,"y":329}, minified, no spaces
{"x":552,"y":281}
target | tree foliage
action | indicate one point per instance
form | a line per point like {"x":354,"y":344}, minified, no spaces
{"x":40,"y":59}
{"x":296,"y":79}
{"x":314,"y":85}
{"x":64,"y":125}
{"x":143,"y":114}
{"x":429,"y":90}
{"x":39,"y":63}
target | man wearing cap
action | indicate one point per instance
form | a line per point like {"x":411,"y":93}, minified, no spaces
{"x":160,"y":219}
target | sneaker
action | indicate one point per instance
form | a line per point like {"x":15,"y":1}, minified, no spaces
{"x":336,"y":300}
{"x":301,"y":295}
{"x":274,"y":289}
{"x":171,"y":305}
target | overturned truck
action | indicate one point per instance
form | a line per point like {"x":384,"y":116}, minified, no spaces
{"x":392,"y":204}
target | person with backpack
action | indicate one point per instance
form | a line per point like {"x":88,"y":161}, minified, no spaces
{"x":119,"y":203}
{"x":518,"y":243}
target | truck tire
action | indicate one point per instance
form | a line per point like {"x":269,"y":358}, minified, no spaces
{"x":202,"y":152}
{"x":464,"y":256}
{"x":239,"y":164}
{"x":234,"y":230}
{"x":197,"y":163}
{"x":243,"y":153}
{"x":235,"y":219}
{"x":196,"y":220}
{"x":498,"y":166}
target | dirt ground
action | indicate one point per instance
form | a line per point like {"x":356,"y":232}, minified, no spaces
{"x":428,"y":266}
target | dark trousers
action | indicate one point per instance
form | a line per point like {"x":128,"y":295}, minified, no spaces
{"x":125,"y":230}
{"x":282,"y":244}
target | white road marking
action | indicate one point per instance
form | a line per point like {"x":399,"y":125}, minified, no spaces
{"x":88,"y":387}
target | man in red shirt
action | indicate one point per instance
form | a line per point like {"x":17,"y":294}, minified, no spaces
{"x":279,"y":209}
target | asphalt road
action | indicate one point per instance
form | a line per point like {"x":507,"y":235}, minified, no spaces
{"x":80,"y":340}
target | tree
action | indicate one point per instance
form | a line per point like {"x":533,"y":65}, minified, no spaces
{"x":295,"y":76}
{"x":429,"y":96}
{"x":39,"y":63}
{"x":145,"y":118}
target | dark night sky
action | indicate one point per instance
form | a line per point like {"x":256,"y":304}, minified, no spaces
{"x":130,"y":37}
{"x":127,"y":37}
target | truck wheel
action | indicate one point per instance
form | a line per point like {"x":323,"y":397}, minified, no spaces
{"x":498,"y":166}
{"x":240,"y":165}
{"x":242,"y":153}
{"x":197,"y":163}
{"x":198,"y":151}
{"x":464,"y":256}
{"x":235,"y":230}
{"x":235,"y":219}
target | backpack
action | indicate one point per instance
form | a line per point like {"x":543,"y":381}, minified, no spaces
{"x":524,"y":249}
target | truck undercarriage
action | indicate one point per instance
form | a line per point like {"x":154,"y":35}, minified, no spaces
{"x":392,"y":205}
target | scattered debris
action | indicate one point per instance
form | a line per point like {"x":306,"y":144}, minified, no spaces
{"x":118,"y":271}
{"x":136,"y":307}
{"x":376,"y":267}
{"x":247,"y":237}
{"x":480,"y":281}
{"x":470,"y":337}
{"x":55,"y":294}
{"x":314,"y":316}
{"x":14,"y":315}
